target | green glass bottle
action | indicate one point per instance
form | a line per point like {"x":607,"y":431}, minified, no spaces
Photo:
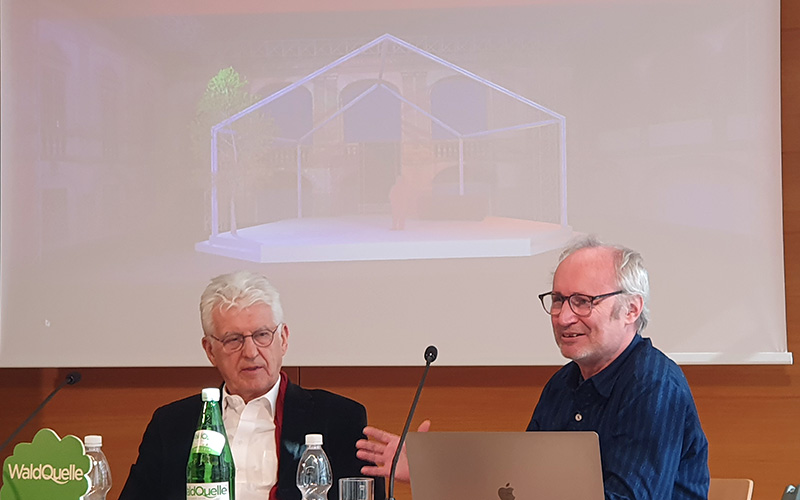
{"x":210,"y":473}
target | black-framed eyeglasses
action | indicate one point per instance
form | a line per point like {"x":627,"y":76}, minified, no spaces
{"x":235,"y":341}
{"x":580,"y":304}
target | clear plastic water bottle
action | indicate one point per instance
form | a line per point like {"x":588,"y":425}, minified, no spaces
{"x":210,"y":473}
{"x":100,"y":474}
{"x":314,"y":476}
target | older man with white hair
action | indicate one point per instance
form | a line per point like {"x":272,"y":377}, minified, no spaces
{"x":266,"y":416}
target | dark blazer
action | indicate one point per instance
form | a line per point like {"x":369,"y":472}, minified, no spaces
{"x":160,"y":470}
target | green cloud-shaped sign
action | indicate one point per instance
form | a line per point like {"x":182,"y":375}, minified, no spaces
{"x":47,"y":467}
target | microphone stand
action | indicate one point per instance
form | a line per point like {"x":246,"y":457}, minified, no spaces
{"x":430,"y":356}
{"x":71,"y":379}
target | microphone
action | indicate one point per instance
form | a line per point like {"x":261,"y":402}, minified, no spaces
{"x":72,"y":378}
{"x":430,"y":356}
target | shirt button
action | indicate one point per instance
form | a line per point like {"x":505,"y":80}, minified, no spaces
{"x":578,"y":417}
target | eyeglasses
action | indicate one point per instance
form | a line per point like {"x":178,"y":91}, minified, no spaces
{"x":235,"y":341}
{"x":580,"y":304}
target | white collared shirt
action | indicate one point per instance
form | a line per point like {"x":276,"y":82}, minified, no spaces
{"x":251,"y":434}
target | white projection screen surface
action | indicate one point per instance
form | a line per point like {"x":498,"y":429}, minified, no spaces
{"x":404,"y":173}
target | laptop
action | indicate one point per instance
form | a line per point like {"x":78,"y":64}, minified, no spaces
{"x":505,"y":466}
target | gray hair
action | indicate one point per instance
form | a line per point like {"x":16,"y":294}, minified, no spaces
{"x":239,"y":289}
{"x":631,"y":274}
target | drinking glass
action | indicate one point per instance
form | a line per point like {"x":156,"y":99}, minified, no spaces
{"x":356,"y":488}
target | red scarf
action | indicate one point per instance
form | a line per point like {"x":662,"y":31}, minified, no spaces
{"x":273,"y":493}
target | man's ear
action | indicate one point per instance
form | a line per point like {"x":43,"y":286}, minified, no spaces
{"x":633,"y":308}
{"x":284,"y":338}
{"x":207,"y":347}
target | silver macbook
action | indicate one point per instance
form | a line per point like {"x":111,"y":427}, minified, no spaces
{"x":505,"y":466}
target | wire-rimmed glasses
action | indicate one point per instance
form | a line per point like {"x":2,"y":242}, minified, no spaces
{"x":235,"y":341}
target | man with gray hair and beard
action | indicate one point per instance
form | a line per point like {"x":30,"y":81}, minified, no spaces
{"x":637,"y":400}
{"x":266,"y":416}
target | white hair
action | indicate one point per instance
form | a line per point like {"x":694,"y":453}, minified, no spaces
{"x":239,"y":289}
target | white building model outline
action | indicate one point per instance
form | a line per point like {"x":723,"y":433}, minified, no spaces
{"x":397,"y":138}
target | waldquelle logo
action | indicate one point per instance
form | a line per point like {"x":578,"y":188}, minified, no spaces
{"x":207,"y":490}
{"x":47,"y":467}
{"x":45,"y":472}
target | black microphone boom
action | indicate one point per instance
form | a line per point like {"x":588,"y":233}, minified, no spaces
{"x":71,"y":379}
{"x":430,"y":356}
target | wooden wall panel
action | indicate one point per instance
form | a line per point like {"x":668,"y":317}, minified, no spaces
{"x":751,"y":414}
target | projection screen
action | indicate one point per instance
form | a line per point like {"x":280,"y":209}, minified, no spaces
{"x":405,"y":173}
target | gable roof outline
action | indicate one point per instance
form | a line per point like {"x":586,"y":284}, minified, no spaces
{"x":384,"y":43}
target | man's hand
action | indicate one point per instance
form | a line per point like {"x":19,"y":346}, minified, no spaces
{"x":379,"y":449}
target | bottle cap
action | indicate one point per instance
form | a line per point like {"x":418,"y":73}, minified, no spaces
{"x":313,"y":439}
{"x":93,"y":440}
{"x":211,"y":394}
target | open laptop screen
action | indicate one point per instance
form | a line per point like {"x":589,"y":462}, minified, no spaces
{"x":505,"y":466}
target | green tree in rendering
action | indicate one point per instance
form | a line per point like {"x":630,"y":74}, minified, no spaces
{"x":243,"y":146}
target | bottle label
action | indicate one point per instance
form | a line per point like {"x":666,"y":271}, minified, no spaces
{"x":208,"y":442}
{"x":207,"y":491}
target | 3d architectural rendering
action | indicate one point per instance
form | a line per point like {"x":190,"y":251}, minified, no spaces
{"x":389,"y":152}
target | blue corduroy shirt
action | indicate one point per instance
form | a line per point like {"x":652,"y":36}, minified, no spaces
{"x":651,"y":443}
